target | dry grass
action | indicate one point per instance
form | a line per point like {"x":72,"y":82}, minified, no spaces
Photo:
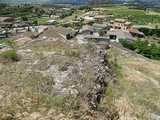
{"x":138,"y":88}
{"x":28,"y":86}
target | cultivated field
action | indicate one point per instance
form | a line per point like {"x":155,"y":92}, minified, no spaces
{"x":141,"y":17}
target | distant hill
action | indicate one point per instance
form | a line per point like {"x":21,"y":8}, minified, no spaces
{"x":91,"y":2}
{"x":150,"y":3}
{"x":49,"y":1}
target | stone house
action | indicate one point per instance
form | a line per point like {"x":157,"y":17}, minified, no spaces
{"x":121,"y":24}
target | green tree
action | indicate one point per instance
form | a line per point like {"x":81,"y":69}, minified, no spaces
{"x":24,"y":18}
{"x":35,"y":22}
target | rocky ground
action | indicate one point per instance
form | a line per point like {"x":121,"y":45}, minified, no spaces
{"x":55,"y":79}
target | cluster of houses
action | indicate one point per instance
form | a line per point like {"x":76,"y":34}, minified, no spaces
{"x":115,"y":30}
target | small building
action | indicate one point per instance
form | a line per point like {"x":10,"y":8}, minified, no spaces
{"x":7,"y":19}
{"x":51,"y":33}
{"x":97,"y":27}
{"x":27,"y":34}
{"x":88,"y":19}
{"x":55,"y":16}
{"x":3,"y":34}
{"x":66,"y":9}
{"x":121,"y":24}
{"x":67,"y":33}
{"x":75,"y":22}
{"x":45,"y":16}
{"x":100,"y":17}
{"x":116,"y":36}
{"x":87,"y":29}
{"x":98,"y":38}
{"x":19,"y":24}
{"x":136,"y":33}
{"x":51,"y":22}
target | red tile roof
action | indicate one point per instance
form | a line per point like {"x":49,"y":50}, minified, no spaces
{"x":87,"y":21}
{"x":133,"y":31}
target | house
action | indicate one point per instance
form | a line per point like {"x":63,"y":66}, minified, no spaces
{"x":45,"y":16}
{"x":51,"y":22}
{"x":20,"y":30}
{"x":88,"y":19}
{"x":97,"y":27}
{"x":3,"y":33}
{"x":51,"y":33}
{"x":121,"y":24}
{"x":98,"y":38}
{"x":20,"y":24}
{"x":26,"y":34}
{"x":67,"y":33}
{"x":94,"y":12}
{"x":7,"y":19}
{"x":75,"y":22}
{"x":5,"y":24}
{"x":116,"y":36}
{"x":87,"y":29}
{"x":55,"y":17}
{"x":100,"y":17}
{"x":136,"y":33}
{"x":66,"y":9}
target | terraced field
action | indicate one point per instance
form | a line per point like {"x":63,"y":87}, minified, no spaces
{"x":140,"y":17}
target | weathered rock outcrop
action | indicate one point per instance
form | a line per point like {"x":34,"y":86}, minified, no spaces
{"x":64,"y":76}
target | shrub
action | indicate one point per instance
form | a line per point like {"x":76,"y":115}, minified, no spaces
{"x":144,"y":48}
{"x":7,"y":40}
{"x":9,"y":55}
{"x":149,"y":32}
{"x":92,"y":40}
{"x":76,"y":53}
{"x":102,"y":32}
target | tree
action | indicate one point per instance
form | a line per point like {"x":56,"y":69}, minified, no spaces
{"x":102,"y":32}
{"x":35,"y":22}
{"x":144,"y":48}
{"x":156,"y":26}
{"x":24,"y":18}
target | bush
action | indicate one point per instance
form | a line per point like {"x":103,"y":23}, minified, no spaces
{"x":24,"y":18}
{"x":9,"y":55}
{"x":149,"y":32}
{"x":144,"y":48}
{"x":102,"y":32}
{"x":76,"y":53}
{"x":92,"y":40}
{"x":7,"y":41}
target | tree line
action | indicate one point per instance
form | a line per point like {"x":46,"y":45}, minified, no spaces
{"x":143,"y":47}
{"x":150,"y":32}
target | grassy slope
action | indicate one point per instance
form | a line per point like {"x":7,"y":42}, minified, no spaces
{"x":137,"y":91}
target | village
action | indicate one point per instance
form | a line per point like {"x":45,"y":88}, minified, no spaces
{"x":79,"y":62}
{"x":82,"y":24}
